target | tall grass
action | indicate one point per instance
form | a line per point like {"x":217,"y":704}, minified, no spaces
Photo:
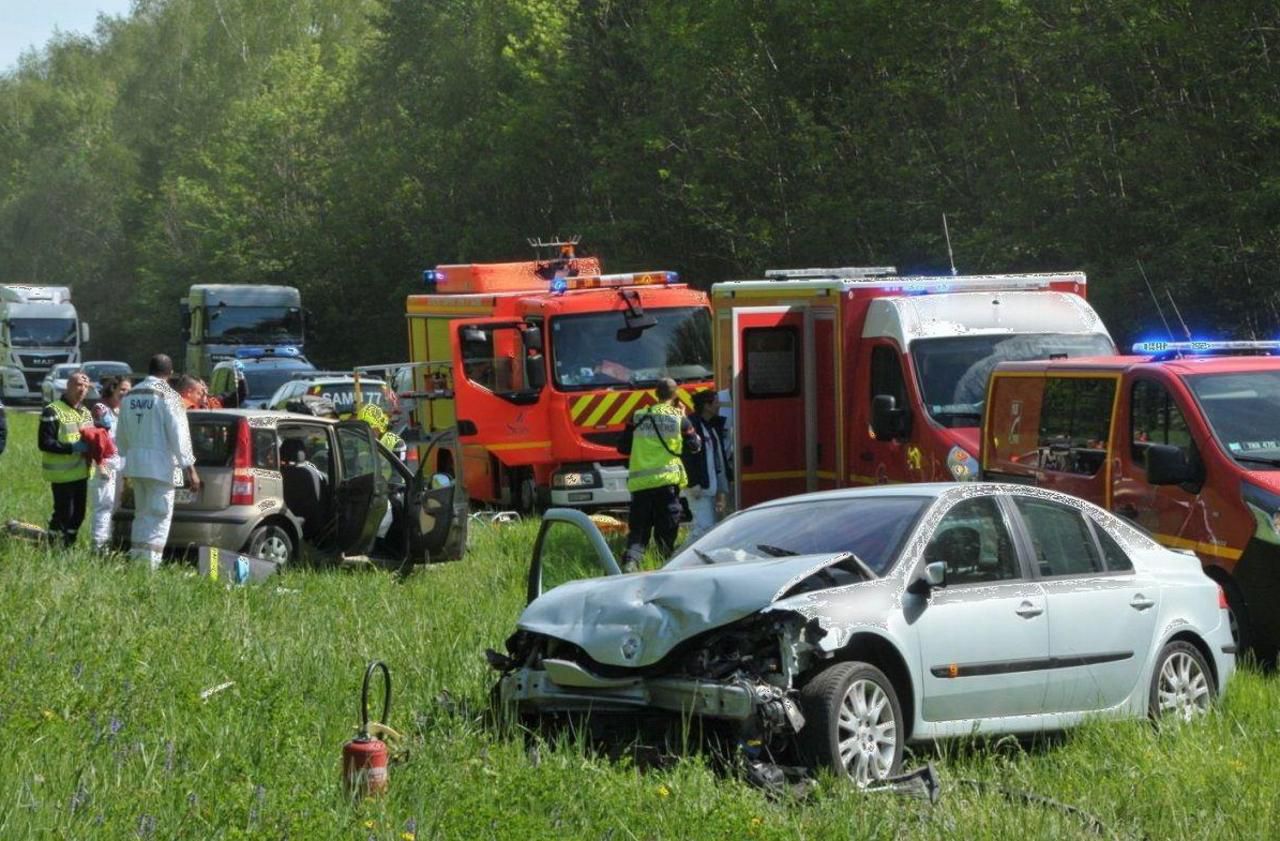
{"x":104,"y":733}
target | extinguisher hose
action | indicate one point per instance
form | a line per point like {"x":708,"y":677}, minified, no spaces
{"x":364,"y":697}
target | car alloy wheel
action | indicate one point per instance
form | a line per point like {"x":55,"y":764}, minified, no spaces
{"x":854,"y":722}
{"x":271,"y":543}
{"x":1182,"y":685}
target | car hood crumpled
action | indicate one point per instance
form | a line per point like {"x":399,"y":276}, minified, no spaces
{"x":636,"y":620}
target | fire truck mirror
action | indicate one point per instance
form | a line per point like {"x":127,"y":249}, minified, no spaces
{"x":888,"y":422}
{"x":1168,"y":465}
{"x":532,"y":337}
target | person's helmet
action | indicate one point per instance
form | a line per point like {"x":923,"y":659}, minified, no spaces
{"x":374,"y":416}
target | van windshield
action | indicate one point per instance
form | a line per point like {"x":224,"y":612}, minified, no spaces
{"x":1242,"y":408}
{"x":953,"y":371}
{"x":588,"y":352}
{"x":242,"y":325}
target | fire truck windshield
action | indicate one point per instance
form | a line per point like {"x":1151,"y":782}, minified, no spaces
{"x":42,"y":332}
{"x":587,"y":351}
{"x":255,"y":324}
{"x":953,"y":371}
{"x":1241,"y":408}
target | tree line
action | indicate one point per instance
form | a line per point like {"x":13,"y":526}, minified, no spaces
{"x":341,"y":146}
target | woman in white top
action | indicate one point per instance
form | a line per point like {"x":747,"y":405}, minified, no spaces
{"x":104,"y":485}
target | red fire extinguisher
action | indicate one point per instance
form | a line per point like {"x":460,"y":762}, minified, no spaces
{"x":364,"y":758}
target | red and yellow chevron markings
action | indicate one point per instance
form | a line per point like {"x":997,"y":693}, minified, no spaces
{"x":610,"y":408}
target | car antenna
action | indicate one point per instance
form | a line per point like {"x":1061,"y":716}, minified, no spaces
{"x":1174,"y":304}
{"x":946,"y":232}
{"x":1155,"y":300}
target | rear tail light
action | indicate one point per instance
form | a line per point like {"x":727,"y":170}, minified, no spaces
{"x":242,"y":466}
{"x":1222,"y":598}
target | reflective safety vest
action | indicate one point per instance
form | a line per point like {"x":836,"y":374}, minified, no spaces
{"x":70,"y":467}
{"x":394,"y":443}
{"x":655,"y":449}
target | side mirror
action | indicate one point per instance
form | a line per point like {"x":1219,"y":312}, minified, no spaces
{"x":935,"y":575}
{"x":532,"y":337}
{"x":628,"y":334}
{"x":1168,"y":465}
{"x":84,"y":333}
{"x":888,"y":422}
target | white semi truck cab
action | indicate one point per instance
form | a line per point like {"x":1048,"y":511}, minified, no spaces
{"x":39,"y":328}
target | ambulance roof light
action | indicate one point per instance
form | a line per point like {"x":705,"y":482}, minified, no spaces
{"x":1173,"y":350}
{"x":603,"y":281}
{"x":843,"y":272}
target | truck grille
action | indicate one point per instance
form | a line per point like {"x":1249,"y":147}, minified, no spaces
{"x":43,"y":361}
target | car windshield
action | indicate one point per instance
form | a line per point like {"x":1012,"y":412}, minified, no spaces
{"x":262,"y":381}
{"x":953,"y":371}
{"x":255,"y":324}
{"x":871,"y":527}
{"x":98,"y":370}
{"x":61,"y":372}
{"x":42,"y":332}
{"x":1242,"y":408}
{"x":592,"y":351}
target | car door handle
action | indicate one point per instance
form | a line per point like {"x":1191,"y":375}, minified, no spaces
{"x":1141,"y":602}
{"x":1027,"y":610}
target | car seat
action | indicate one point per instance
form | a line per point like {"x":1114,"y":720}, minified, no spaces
{"x":960,"y":548}
{"x":303,"y":490}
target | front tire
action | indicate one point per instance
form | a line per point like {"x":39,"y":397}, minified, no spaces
{"x":1181,"y":684}
{"x":271,"y":543}
{"x":854,"y":723}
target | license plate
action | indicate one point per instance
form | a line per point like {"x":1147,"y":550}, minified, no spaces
{"x":184,"y":496}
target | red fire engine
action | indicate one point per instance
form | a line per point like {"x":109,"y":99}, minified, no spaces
{"x":550,"y":359}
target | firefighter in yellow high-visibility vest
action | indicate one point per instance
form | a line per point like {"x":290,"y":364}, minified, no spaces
{"x":655,"y":474}
{"x":62,"y":457}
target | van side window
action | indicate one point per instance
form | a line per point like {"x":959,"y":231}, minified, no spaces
{"x":1075,"y":422}
{"x":1155,"y":419}
{"x":771,"y":361}
{"x":1060,"y":537}
{"x":886,"y":374}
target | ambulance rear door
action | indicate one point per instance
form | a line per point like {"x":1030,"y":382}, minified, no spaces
{"x":784,"y":406}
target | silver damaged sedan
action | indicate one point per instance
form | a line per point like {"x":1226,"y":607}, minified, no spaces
{"x":842,"y":625}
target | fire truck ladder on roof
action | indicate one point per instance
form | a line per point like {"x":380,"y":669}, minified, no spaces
{"x":844,"y":272}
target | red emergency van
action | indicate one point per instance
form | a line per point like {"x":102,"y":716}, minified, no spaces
{"x":859,"y":376}
{"x":1182,"y":438}
{"x":550,"y":358}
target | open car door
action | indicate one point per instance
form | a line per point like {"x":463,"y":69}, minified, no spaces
{"x":439,"y":499}
{"x":360,"y":497}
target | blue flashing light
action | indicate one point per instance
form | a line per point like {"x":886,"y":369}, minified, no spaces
{"x":559,"y":286}
{"x":430,"y":276}
{"x":673,"y":277}
{"x":1157,"y":347}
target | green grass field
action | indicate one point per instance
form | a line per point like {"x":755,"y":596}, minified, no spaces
{"x":105,"y":736}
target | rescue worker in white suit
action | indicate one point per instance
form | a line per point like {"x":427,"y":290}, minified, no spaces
{"x":155,"y":442}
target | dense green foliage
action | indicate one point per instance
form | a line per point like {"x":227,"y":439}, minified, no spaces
{"x":106,"y":735}
{"x":343,"y":145}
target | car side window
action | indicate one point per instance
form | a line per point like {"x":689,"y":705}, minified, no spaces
{"x":1075,"y":423}
{"x":1155,"y":419}
{"x":357,"y":451}
{"x":1112,"y":553}
{"x":1060,"y":537}
{"x":266,"y":453}
{"x":974,"y":543}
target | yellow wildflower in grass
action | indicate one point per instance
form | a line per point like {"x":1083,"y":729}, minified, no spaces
{"x":49,"y":715}
{"x":407,"y":836}
{"x":663,"y":791}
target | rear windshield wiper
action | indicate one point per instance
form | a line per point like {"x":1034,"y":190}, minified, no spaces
{"x":775,"y":551}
